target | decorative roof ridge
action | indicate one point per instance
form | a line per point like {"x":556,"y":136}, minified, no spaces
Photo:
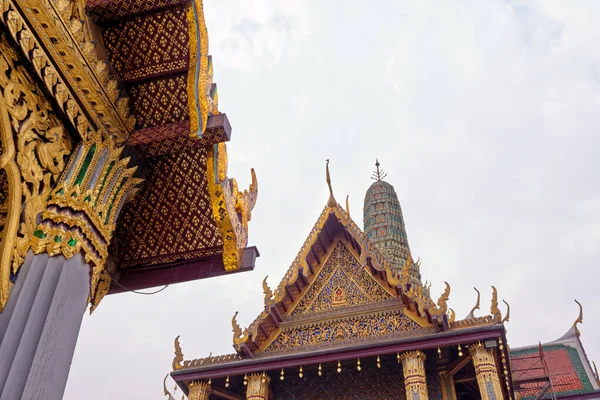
{"x":361,"y":309}
{"x":573,"y":332}
{"x":349,"y":317}
{"x":368,"y":252}
{"x":494,"y":318}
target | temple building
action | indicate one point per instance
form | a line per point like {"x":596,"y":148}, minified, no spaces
{"x":113,"y":171}
{"x":351,"y":319}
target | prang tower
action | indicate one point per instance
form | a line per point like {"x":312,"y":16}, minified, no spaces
{"x":384,"y":224}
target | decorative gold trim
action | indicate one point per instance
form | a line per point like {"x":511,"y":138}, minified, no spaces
{"x":199,"y":390}
{"x":258,"y":387}
{"x":496,"y":313}
{"x":415,"y":381}
{"x":57,"y":40}
{"x":201,"y":102}
{"x":176,"y":364}
{"x":42,"y":144}
{"x":579,"y":319}
{"x":486,"y":372}
{"x":232,"y":209}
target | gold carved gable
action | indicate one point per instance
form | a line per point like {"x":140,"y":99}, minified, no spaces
{"x":342,"y":281}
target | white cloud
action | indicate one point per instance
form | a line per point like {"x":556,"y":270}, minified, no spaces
{"x":484,"y":114}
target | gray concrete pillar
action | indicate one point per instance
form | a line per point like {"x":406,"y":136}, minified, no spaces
{"x":41,"y":333}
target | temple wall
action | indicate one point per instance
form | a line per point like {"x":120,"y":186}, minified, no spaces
{"x":370,"y":383}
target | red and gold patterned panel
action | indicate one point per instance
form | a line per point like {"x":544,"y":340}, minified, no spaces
{"x":172,"y":138}
{"x":172,"y":218}
{"x":161,"y":101}
{"x":149,"y":45}
{"x":108,"y":10}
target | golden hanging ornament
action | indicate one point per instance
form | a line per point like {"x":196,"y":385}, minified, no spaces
{"x":281,"y":376}
{"x":264,"y":377}
{"x":378,"y":362}
{"x":439,"y":352}
{"x":210,"y":381}
{"x":320,"y":370}
{"x":339,"y":367}
{"x":460,"y":353}
{"x":227,"y":382}
{"x":398,"y":357}
{"x":245,"y":379}
{"x":300,"y":374}
{"x":358,"y":365}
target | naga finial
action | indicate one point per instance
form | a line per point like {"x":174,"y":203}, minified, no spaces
{"x":178,"y":356}
{"x":579,"y":319}
{"x":496,"y":313}
{"x":507,"y":317}
{"x":472,"y":313}
{"x":348,"y":205}
{"x":166,"y":391}
{"x":331,"y":202}
{"x":378,"y":175}
{"x":237,"y":331}
{"x":596,"y":372}
{"x":267,"y":291}
{"x":442,"y":302}
{"x":452,"y":315}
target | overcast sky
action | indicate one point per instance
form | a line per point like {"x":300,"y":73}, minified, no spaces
{"x":485,"y":116}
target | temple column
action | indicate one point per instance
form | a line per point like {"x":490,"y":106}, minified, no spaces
{"x":447,"y":385}
{"x":415,"y":381}
{"x":199,"y":390}
{"x":63,"y":271}
{"x":258,"y":387}
{"x":486,"y":372}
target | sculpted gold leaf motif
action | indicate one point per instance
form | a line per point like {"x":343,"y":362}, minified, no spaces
{"x":268,"y":292}
{"x":32,"y":166}
{"x":165,"y":390}
{"x":231,"y":208}
{"x":452,"y":315}
{"x":496,"y":313}
{"x":579,"y":319}
{"x":507,"y":317}
{"x":472,"y":313}
{"x":442,"y":303}
{"x":176,"y":364}
{"x":331,"y":202}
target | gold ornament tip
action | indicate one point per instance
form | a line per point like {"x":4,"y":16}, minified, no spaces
{"x":331,"y":202}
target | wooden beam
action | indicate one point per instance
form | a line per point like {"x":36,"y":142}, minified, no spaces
{"x":183,"y":271}
{"x":458,"y":364}
{"x":315,"y":255}
{"x":464,"y":378}
{"x":226,"y":394}
{"x":273,"y":317}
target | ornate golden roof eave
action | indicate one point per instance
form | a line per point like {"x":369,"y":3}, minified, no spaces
{"x":56,"y":37}
{"x":367,"y":250}
{"x":232,"y":208}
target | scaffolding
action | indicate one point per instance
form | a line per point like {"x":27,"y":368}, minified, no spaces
{"x":531,"y":376}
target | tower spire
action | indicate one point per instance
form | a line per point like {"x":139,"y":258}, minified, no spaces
{"x":378,"y":175}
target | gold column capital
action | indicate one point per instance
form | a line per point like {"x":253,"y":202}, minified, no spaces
{"x":486,"y":372}
{"x":447,"y":386}
{"x":199,"y":390}
{"x":258,"y":386}
{"x":413,"y":366}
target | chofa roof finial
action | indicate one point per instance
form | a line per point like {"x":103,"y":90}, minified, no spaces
{"x":579,"y":319}
{"x":331,"y":202}
{"x":348,"y":205}
{"x":378,"y":175}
